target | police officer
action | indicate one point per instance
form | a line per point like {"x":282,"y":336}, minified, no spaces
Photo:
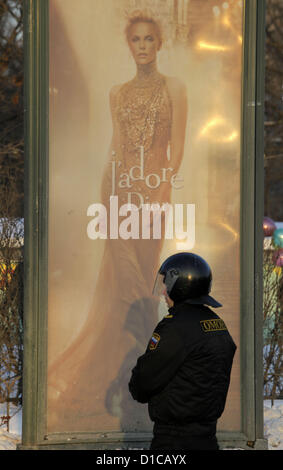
{"x":184,"y":373}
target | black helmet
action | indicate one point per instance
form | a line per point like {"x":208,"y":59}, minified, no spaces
{"x":186,"y":276}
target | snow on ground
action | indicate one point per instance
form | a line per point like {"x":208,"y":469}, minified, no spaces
{"x":9,"y":440}
{"x":273,"y":426}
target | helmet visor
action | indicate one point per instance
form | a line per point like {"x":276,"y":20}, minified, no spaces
{"x":159,"y":287}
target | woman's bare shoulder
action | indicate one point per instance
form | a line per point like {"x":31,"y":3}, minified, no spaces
{"x":176,"y":86}
{"x":114,"y":95}
{"x":115,"y":90}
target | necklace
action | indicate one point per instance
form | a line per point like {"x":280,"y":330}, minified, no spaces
{"x":139,"y":105}
{"x":146,"y":75}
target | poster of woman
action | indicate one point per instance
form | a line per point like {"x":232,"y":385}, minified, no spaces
{"x":145,"y":99}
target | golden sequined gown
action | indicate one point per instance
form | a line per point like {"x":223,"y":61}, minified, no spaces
{"x":91,"y":377}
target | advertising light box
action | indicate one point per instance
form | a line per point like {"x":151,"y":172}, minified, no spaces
{"x":144,"y":139}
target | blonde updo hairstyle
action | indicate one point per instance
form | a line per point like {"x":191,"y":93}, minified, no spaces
{"x":143,"y":16}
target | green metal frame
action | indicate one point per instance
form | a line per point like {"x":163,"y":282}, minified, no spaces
{"x":36,"y":217}
{"x":36,"y":35}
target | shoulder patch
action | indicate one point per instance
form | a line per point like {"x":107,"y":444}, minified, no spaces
{"x":168,"y":316}
{"x":213,"y":325}
{"x":154,"y":341}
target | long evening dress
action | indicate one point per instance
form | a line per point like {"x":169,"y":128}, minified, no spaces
{"x":91,"y":376}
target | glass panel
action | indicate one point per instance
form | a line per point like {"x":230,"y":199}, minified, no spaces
{"x":132,"y":123}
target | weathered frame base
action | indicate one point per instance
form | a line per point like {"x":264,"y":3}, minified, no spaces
{"x":36,"y":246}
{"x":141,"y":441}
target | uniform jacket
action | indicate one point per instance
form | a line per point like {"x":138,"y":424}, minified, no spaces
{"x":184,"y":373}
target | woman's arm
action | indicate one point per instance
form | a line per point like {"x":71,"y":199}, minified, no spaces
{"x":178,"y":95}
{"x":113,"y":103}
